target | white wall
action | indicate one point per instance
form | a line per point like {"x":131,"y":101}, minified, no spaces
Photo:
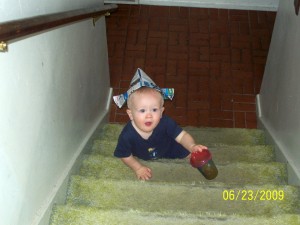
{"x":53,"y":93}
{"x":279,"y":99}
{"x":266,"y":5}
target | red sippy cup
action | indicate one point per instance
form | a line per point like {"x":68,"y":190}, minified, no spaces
{"x":204,"y":163}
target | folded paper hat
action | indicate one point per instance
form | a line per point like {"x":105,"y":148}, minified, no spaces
{"x":141,"y":79}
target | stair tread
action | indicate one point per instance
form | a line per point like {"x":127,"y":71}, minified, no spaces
{"x":121,"y":194}
{"x":206,"y":135}
{"x":181,"y":171}
{"x":224,"y":153}
{"x":69,"y":214}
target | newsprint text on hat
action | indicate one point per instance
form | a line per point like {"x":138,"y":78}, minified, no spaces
{"x":141,"y":79}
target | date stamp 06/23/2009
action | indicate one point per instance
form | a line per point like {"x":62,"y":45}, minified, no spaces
{"x":252,"y":195}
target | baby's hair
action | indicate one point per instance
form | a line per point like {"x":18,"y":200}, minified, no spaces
{"x":143,"y":90}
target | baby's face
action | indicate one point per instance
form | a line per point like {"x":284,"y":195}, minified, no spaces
{"x":146,"y":110}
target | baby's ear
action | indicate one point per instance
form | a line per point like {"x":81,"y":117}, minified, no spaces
{"x":162,"y":110}
{"x":129,"y":114}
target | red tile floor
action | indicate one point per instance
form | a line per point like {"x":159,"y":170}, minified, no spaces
{"x":214,"y":58}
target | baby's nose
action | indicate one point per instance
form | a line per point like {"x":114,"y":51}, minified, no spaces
{"x":149,"y":114}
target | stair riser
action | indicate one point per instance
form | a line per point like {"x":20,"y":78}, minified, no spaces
{"x":221,"y":154}
{"x":154,"y":198}
{"x":236,"y":173}
{"x":93,"y":216}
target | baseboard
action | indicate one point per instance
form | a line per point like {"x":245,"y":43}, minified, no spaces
{"x":260,"y":5}
{"x":281,"y":155}
{"x":58,"y":194}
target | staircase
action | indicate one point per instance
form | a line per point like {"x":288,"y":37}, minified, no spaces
{"x":251,"y":188}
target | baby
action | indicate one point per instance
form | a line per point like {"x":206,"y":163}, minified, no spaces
{"x":150,"y":134}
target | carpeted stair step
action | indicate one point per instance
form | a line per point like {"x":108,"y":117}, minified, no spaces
{"x":180,"y":198}
{"x":99,"y":166}
{"x":251,"y":188}
{"x":206,"y":136}
{"x":81,"y":215}
{"x":221,"y":154}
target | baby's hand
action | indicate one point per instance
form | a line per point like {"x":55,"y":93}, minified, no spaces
{"x":143,"y":173}
{"x":199,"y":148}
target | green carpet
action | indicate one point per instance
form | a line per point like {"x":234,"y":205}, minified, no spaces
{"x":251,"y":188}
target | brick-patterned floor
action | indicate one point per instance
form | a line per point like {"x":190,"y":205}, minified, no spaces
{"x":214,"y":58}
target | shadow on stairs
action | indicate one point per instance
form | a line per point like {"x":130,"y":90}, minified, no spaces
{"x":251,"y":188}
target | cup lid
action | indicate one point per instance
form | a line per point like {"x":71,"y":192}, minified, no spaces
{"x":198,"y":158}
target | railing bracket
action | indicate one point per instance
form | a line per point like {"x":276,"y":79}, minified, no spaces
{"x":95,"y":19}
{"x":3,"y":46}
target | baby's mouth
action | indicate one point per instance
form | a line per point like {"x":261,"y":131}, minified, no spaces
{"x":148,"y":124}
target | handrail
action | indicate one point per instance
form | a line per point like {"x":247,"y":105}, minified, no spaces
{"x":20,"y":28}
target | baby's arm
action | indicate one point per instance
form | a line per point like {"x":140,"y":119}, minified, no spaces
{"x":187,"y":141}
{"x":142,"y":172}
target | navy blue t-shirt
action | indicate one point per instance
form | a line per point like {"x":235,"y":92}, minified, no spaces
{"x":161,"y":143}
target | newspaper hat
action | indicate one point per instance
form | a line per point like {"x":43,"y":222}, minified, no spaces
{"x":141,"y":79}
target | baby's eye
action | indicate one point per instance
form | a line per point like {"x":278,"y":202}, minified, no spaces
{"x":155,"y":110}
{"x":142,"y":110}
